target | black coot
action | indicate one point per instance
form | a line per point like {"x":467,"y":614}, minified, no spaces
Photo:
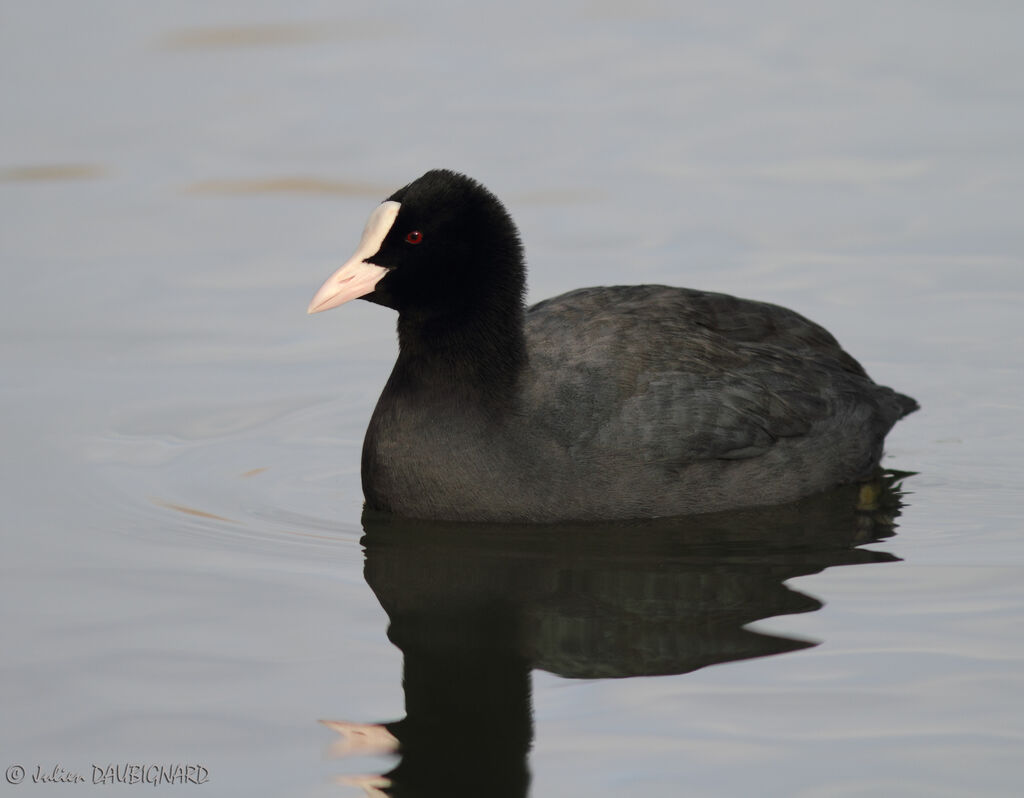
{"x":602,"y":403}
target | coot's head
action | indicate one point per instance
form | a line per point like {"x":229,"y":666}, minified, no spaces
{"x":441,"y":246}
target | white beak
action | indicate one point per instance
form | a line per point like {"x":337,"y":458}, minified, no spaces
{"x":358,"y":276}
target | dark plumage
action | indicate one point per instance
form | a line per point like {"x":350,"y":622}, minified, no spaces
{"x":602,"y":403}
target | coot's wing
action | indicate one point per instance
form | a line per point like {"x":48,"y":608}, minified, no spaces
{"x":677,"y":376}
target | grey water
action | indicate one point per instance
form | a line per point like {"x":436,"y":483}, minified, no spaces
{"x":187,"y":578}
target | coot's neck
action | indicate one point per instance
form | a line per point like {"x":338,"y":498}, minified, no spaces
{"x":479,"y":352}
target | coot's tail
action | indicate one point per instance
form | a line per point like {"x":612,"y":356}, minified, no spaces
{"x":906,"y":404}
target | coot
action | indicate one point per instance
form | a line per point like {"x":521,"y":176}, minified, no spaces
{"x":603,"y":403}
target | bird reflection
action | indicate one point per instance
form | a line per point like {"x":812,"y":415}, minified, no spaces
{"x":475,"y":608}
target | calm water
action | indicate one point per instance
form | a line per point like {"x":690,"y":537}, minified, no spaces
{"x":186,"y":576}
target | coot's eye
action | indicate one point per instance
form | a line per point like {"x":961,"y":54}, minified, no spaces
{"x":414,"y":237}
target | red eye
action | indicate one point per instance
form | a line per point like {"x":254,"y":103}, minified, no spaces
{"x":414,"y":237}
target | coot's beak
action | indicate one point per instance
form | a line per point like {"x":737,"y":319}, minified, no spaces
{"x":353,"y":280}
{"x":358,"y":276}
